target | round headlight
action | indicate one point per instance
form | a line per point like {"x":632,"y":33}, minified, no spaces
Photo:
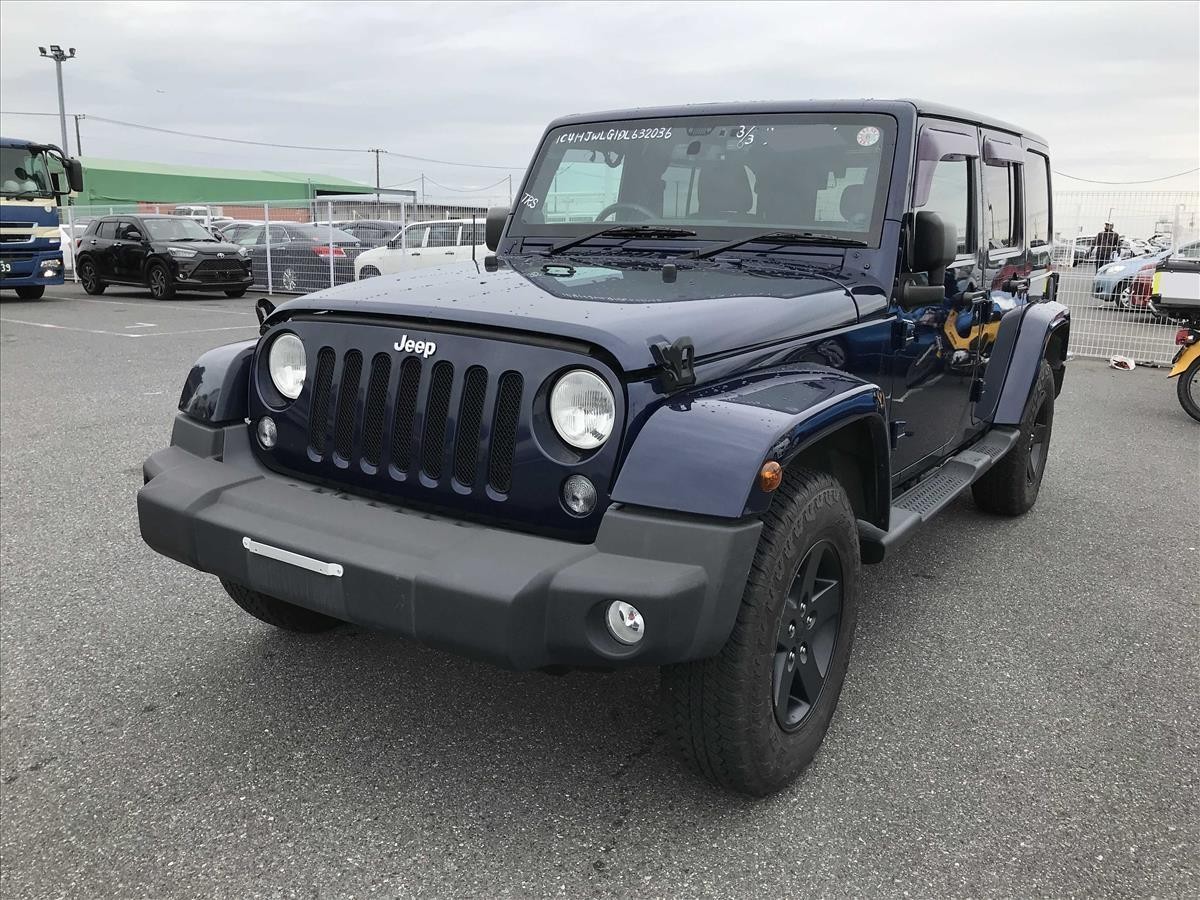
{"x":582,"y":409}
{"x":285,"y":361}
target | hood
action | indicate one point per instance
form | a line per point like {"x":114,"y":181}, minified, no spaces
{"x":620,"y":308}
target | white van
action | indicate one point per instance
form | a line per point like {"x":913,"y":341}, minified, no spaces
{"x":424,"y":244}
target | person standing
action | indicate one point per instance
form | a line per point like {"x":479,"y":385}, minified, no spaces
{"x":1107,"y":243}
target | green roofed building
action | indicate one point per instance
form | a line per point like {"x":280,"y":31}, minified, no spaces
{"x":118,"y":182}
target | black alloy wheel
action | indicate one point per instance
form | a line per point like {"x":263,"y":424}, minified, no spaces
{"x":90,"y":278}
{"x":807,"y":634}
{"x":160,"y":282}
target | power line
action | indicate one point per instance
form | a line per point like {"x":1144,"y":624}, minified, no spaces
{"x":467,"y":190}
{"x":1147,"y":181}
{"x":229,"y":140}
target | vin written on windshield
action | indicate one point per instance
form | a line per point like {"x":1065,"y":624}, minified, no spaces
{"x":722,"y":177}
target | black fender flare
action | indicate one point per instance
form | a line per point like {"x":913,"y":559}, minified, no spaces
{"x":701,"y":451}
{"x":1028,"y":334}
{"x":218,"y":386}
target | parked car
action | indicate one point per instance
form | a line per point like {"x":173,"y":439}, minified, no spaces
{"x":423,"y":245}
{"x":1118,"y":282}
{"x":1073,"y":251}
{"x":235,"y":228}
{"x":164,"y":253}
{"x":668,"y":437}
{"x":370,"y":232}
{"x":300,"y":255}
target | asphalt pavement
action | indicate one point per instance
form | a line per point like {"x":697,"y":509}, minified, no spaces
{"x":1020,"y":717}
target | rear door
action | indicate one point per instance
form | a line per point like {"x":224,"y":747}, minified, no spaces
{"x":101,"y":247}
{"x":415,"y":237}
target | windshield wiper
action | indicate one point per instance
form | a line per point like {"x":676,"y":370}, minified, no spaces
{"x":778,"y":237}
{"x":630,"y":231}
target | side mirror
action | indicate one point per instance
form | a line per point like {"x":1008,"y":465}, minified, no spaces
{"x":74,"y":170}
{"x":133,"y":236}
{"x":933,"y":246}
{"x":497,"y":216}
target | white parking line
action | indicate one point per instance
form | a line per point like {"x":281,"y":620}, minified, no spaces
{"x":212,"y":309}
{"x":125,"y":334}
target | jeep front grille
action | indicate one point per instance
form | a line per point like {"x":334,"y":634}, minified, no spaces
{"x":448,"y":444}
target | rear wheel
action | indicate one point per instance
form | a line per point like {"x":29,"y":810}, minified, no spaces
{"x":1189,"y":390}
{"x":369,"y":272}
{"x":161,"y":287}
{"x":31,"y":291}
{"x":89,"y":277}
{"x":1011,"y":486}
{"x":753,"y":716}
{"x":275,"y":612}
{"x":240,"y":292}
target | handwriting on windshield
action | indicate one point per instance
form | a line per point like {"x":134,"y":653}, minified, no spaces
{"x":529,"y":201}
{"x":616,"y":134}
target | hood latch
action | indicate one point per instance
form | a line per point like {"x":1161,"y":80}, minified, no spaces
{"x":676,"y":362}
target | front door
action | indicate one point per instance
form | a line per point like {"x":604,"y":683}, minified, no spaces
{"x":935,"y":363}
{"x":128,"y":252}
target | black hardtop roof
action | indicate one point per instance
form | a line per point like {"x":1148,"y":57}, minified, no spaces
{"x":900,"y":106}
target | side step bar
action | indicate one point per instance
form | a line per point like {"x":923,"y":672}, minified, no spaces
{"x":935,"y":492}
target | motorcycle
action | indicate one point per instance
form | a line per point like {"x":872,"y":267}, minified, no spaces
{"x":1186,"y":367}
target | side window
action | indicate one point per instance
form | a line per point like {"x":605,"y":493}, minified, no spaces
{"x":1001,"y":208}
{"x":472,"y":234}
{"x":250,"y":236}
{"x":950,"y":197}
{"x":107,"y":230}
{"x":1037,"y":199}
{"x":128,"y":231}
{"x":1190,"y":251}
{"x":443,"y":234}
{"x":414,"y":236}
{"x":278,"y":234}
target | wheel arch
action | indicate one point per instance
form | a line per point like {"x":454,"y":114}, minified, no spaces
{"x":217,"y":387}
{"x":1028,"y":334}
{"x":715,"y":440}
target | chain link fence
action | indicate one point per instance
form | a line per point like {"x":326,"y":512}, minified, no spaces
{"x":1106,"y":280}
{"x":305,"y":245}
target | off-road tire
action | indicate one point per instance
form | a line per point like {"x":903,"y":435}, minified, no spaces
{"x":720,"y":713}
{"x":240,"y":292}
{"x":1184,"y":389}
{"x":158,"y":279}
{"x":90,"y":278}
{"x":1010,"y":488}
{"x":31,"y":291}
{"x":275,"y":612}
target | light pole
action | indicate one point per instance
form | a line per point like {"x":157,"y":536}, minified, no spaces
{"x":59,"y":56}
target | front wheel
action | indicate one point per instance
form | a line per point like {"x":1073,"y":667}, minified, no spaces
{"x":89,"y":277}
{"x":1188,"y":389}
{"x":1123,"y":296}
{"x":31,"y":291}
{"x":1011,"y":486}
{"x":239,"y":292}
{"x":753,"y":716}
{"x":161,"y":286}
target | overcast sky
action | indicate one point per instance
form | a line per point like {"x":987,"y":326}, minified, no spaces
{"x":1114,"y":87}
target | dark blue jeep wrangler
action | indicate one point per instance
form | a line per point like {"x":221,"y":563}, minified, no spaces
{"x":723,"y":356}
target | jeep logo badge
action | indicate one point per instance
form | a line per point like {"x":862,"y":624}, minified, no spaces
{"x":420,"y":348}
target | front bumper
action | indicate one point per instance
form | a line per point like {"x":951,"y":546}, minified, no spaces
{"x":189,"y":276}
{"x":518,"y":600}
{"x":30,"y":267}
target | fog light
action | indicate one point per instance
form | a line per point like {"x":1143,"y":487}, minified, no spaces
{"x":267,"y":433}
{"x":625,"y":622}
{"x":579,"y":495}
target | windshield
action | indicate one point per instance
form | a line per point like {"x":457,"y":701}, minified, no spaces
{"x":177,"y":230}
{"x":24,"y":174}
{"x":719,"y":176}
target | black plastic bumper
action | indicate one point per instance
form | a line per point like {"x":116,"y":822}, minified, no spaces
{"x":519,"y":600}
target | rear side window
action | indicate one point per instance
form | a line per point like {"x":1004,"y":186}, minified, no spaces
{"x":1037,"y":199}
{"x":1001,"y":208}
{"x":443,"y":234}
{"x":108,"y":229}
{"x":950,"y":197}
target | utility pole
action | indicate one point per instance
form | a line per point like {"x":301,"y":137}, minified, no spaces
{"x":510,"y":189}
{"x":56,"y":53}
{"x":377,"y":152}
{"x":78,"y":139}
{"x":422,"y":187}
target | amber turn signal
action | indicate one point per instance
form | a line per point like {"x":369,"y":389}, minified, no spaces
{"x":770,"y":476}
